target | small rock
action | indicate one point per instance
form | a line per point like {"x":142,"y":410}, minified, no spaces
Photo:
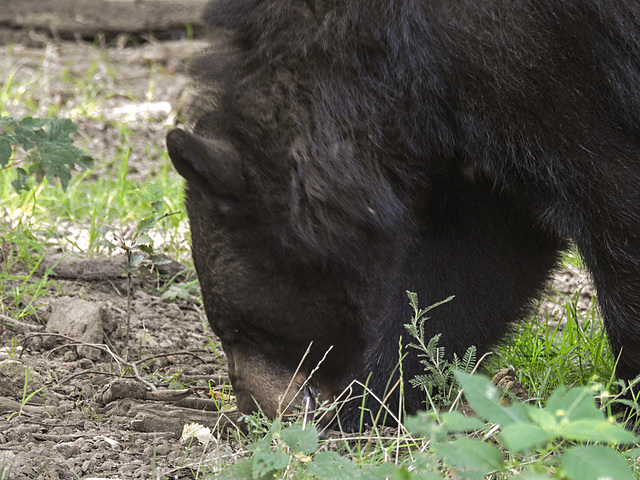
{"x":13,"y":377}
{"x":67,"y":449}
{"x":85,"y":321}
{"x":123,"y":388}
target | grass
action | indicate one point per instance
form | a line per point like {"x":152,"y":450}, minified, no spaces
{"x":552,"y":351}
{"x":107,"y":202}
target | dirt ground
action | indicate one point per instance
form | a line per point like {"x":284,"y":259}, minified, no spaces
{"x":90,"y":416}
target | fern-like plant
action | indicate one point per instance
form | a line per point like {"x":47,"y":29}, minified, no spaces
{"x":438,"y":381}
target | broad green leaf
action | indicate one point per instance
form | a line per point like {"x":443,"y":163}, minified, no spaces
{"x":543,"y":418}
{"x":331,"y":466}
{"x":240,"y":471}
{"x":61,"y":129}
{"x":301,"y":440}
{"x":264,"y":444}
{"x":595,"y":462}
{"x":573,"y":404}
{"x":267,"y":462}
{"x":5,"y":151}
{"x":385,"y":471}
{"x":520,"y":437}
{"x":473,"y":457}
{"x":425,"y":424}
{"x":404,"y":474}
{"x":34,"y":124}
{"x":596,"y":431}
{"x":457,"y":422}
{"x":159,"y":259}
{"x":530,"y":474}
{"x":483,"y":398}
{"x":632,"y":453}
{"x":142,"y":240}
{"x":136,"y":260}
{"x":21,"y":182}
{"x":147,"y":223}
{"x":25,"y":137}
{"x":47,"y":145}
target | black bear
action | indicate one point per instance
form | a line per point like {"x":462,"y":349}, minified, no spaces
{"x":356,"y":149}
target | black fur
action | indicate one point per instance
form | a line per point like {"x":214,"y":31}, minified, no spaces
{"x":355,"y":149}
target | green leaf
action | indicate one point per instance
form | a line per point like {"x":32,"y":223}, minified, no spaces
{"x":5,"y":151}
{"x":633,"y":453}
{"x":264,"y":444}
{"x":404,"y":474}
{"x":331,"y":466}
{"x":267,"y":462}
{"x":34,"y":124}
{"x":473,"y":457}
{"x":159,"y":259}
{"x":6,"y":120}
{"x":57,"y":161}
{"x":240,"y":471}
{"x":147,"y":224}
{"x":21,"y":182}
{"x":84,"y":162}
{"x":483,"y":398}
{"x":385,"y":471}
{"x":530,"y":474}
{"x":573,"y":404}
{"x":456,"y":422}
{"x":301,"y":440}
{"x":136,"y":260}
{"x":142,"y":240}
{"x":595,"y":462}
{"x":596,"y":431}
{"x":25,"y":137}
{"x":424,"y":424}
{"x":543,"y":418}
{"x":47,"y":145}
{"x":520,"y":437}
{"x":61,"y":129}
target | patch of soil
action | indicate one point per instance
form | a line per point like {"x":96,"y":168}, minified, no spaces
{"x":91,"y":412}
{"x":87,"y":410}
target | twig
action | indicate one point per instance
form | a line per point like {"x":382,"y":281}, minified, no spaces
{"x":161,"y":355}
{"x":7,"y":320}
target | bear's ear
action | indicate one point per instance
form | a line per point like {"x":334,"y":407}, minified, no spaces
{"x":210,"y":165}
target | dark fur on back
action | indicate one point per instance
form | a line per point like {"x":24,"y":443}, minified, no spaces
{"x":444,"y":147}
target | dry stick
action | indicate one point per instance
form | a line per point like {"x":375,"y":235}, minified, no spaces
{"x":91,"y":372}
{"x":128,"y":323}
{"x":12,"y":321}
{"x":160,"y":355}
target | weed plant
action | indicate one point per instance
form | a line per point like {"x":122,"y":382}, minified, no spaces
{"x":566,"y":436}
